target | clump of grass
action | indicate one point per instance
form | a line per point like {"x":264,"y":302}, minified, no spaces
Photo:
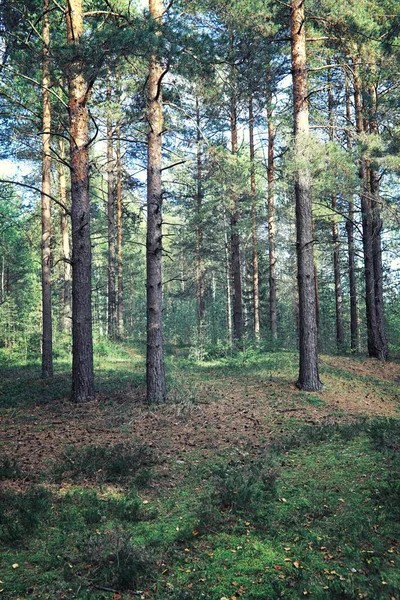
{"x":9,"y":468}
{"x":385,"y":434}
{"x":116,"y":561}
{"x":244,"y":489}
{"x":108,"y":463}
{"x":316,"y":434}
{"x":21,"y":514}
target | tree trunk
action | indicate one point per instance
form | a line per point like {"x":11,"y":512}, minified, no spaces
{"x":47,"y":334}
{"x":371,"y":226}
{"x":78,"y":92}
{"x":235,"y":243}
{"x":112,"y":296}
{"x":273,"y":321}
{"x":308,"y":335}
{"x":155,"y":367}
{"x":66,"y":323}
{"x":228,"y":293}
{"x":254,"y":236}
{"x":380,"y":335}
{"x":200,"y":273}
{"x":120,"y":272}
{"x":354,"y":335}
{"x":335,"y":238}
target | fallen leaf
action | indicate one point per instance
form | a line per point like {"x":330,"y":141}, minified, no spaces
{"x":296,"y":564}
{"x":15,"y":566}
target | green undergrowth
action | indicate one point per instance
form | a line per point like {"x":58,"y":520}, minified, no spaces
{"x":315,"y":515}
{"x":106,"y":464}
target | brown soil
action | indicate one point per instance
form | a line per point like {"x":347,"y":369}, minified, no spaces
{"x":235,"y":413}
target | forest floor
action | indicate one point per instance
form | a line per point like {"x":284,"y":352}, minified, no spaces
{"x":240,"y":486}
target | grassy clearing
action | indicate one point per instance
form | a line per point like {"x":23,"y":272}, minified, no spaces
{"x":239,"y":487}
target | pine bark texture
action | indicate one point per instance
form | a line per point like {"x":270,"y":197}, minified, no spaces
{"x":335,"y":237}
{"x":235,"y":242}
{"x":155,"y":367}
{"x":200,"y":267}
{"x":47,"y":333}
{"x":120,"y":272}
{"x":273,"y":320}
{"x":78,"y":92}
{"x":111,"y":267}
{"x":354,"y":334}
{"x":254,"y":235}
{"x":66,"y":304}
{"x":308,"y":334}
{"x":371,"y":234}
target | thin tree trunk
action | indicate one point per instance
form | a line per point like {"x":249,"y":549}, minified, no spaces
{"x":112,"y":296}
{"x":66,"y":323}
{"x":155,"y":367}
{"x":120,"y":272}
{"x":381,"y":346}
{"x":354,"y":335}
{"x":254,"y":236}
{"x":335,"y":239}
{"x":47,"y":333}
{"x":308,"y":334}
{"x":273,"y":321}
{"x":228,"y":293}
{"x":366,"y":223}
{"x":78,"y":91}
{"x":235,"y":242}
{"x":200,"y":274}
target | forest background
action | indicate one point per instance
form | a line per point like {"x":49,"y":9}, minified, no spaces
{"x":229,"y":167}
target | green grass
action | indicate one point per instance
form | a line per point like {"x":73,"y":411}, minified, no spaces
{"x":314,"y":513}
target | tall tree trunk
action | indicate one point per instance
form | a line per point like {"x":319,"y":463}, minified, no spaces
{"x":374,"y":341}
{"x":308,"y":335}
{"x":381,"y":345}
{"x":111,"y":275}
{"x":47,"y":333}
{"x":335,"y":237}
{"x":66,"y":323}
{"x":254,"y":236}
{"x":235,"y":242}
{"x":78,"y":92}
{"x":155,"y":367}
{"x":228,"y":294}
{"x":200,"y":272}
{"x":354,"y":335}
{"x":273,"y":320}
{"x":120,"y":272}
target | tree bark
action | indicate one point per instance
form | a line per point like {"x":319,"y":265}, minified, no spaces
{"x":235,"y":242}
{"x":120,"y":272}
{"x":111,"y":270}
{"x":47,"y":330}
{"x":228,"y":294}
{"x":371,"y":226}
{"x":66,"y":323}
{"x":381,"y":345}
{"x":155,"y":367}
{"x":78,"y":92}
{"x":335,"y":238}
{"x":273,"y":320}
{"x":254,"y":236}
{"x":200,"y":272}
{"x":308,"y":335}
{"x":354,"y":335}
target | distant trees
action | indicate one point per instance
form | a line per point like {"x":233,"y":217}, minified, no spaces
{"x":200,"y":95}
